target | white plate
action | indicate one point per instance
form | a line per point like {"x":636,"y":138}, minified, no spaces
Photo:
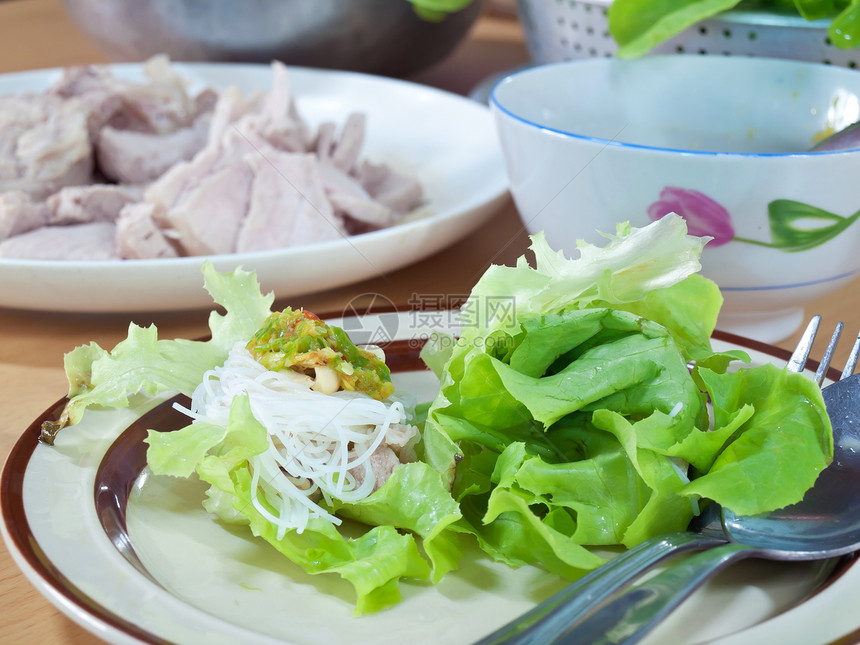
{"x":191,"y":579}
{"x":447,"y":141}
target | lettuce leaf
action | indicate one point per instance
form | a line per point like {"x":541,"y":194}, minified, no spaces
{"x":143,"y":363}
{"x":778,"y":451}
{"x":569,"y":419}
{"x":623,"y":271}
{"x":640,"y":25}
{"x":438,"y":10}
{"x":416,"y":499}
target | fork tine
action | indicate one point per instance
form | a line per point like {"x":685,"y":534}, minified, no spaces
{"x":801,"y":353}
{"x":852,"y":359}
{"x":828,"y":354}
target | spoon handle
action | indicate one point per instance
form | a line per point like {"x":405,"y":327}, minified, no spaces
{"x":549,"y":620}
{"x":631,"y":615}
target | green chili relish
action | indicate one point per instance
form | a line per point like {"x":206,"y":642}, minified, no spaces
{"x":300,"y":341}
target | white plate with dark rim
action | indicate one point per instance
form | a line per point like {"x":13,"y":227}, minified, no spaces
{"x":134,"y":558}
{"x":447,"y":141}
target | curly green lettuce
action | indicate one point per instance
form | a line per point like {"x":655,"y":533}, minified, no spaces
{"x":570,"y":420}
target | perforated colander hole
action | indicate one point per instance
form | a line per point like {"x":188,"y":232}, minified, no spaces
{"x":752,"y":35}
{"x":852,"y":64}
{"x":727,"y":33}
{"x":574,"y":25}
{"x":589,"y":30}
{"x":560,"y":20}
{"x":703,"y":30}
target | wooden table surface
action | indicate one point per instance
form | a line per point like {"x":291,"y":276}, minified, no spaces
{"x":36,"y":34}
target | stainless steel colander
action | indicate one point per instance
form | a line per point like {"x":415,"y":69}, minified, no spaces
{"x":558,"y":30}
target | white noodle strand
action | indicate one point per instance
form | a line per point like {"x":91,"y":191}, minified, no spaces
{"x":315,"y":439}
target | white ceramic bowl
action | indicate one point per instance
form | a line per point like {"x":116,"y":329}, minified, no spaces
{"x":722,"y":141}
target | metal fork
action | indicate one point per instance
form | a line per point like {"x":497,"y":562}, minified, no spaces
{"x":555,"y":619}
{"x":801,"y":352}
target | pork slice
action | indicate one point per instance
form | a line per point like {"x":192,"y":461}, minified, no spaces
{"x":288,"y":205}
{"x":343,"y":151}
{"x":97,"y":90}
{"x":160,"y":105}
{"x":131,"y":157}
{"x":365,"y":211}
{"x":170,"y":188}
{"x":91,"y":203}
{"x":79,"y":80}
{"x":338,"y":182}
{"x":204,"y":102}
{"x":277,"y":122}
{"x":93,"y":241}
{"x":230,"y":107}
{"x":382,"y":463}
{"x":402,"y":439}
{"x":173,"y":185}
{"x":400,"y":434}
{"x":324,"y":141}
{"x":45,"y":145}
{"x":350,"y":198}
{"x":348,"y":148}
{"x":208,"y":218}
{"x":401,"y":193}
{"x":16,"y":117}
{"x":287,"y":133}
{"x":19,"y":213}
{"x":279,"y":100}
{"x":139,"y":235}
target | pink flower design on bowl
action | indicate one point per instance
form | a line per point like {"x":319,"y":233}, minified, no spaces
{"x":703,"y":215}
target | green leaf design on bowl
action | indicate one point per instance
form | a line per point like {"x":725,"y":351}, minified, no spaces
{"x":786,"y":233}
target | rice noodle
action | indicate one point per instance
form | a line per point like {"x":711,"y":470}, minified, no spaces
{"x":314,"y":439}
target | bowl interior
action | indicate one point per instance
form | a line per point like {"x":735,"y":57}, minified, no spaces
{"x":690,"y":103}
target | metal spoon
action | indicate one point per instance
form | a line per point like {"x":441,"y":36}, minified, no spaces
{"x":553,"y":617}
{"x":847,"y":138}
